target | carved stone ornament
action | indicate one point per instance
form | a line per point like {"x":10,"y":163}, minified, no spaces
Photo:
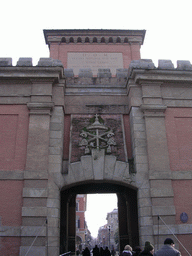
{"x":98,"y":136}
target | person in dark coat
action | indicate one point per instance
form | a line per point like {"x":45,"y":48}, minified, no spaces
{"x":106,"y":252}
{"x":101,"y":251}
{"x":127,"y":250}
{"x":96,"y":251}
{"x":86,"y":252}
{"x":136,"y":250}
{"x":148,"y":249}
{"x":168,"y":249}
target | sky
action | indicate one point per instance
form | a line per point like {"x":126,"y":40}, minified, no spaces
{"x":167,"y":24}
{"x":98,"y":205}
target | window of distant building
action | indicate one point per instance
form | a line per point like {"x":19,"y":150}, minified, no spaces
{"x":77,"y":206}
{"x":77,"y":222}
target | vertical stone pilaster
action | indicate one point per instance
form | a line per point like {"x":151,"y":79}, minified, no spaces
{"x":55,"y":179}
{"x":34,"y":210}
{"x":139,"y":147}
{"x":161,"y":191}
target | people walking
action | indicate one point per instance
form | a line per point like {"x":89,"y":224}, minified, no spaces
{"x":106,"y":252}
{"x":86,"y":252}
{"x":168,"y":249}
{"x":148,"y":249}
{"x":96,"y":251}
{"x":127,"y":250}
{"x":136,"y":250}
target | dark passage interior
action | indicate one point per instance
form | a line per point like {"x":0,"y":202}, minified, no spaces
{"x":127,"y":212}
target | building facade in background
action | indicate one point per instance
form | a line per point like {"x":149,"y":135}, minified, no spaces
{"x":94,"y":118}
{"x":81,"y":226}
{"x":113,"y":224}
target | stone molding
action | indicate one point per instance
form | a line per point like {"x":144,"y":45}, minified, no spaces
{"x":170,"y":175}
{"x":151,"y":110}
{"x":94,"y":36}
{"x":176,"y":229}
{"x":40,"y":108}
{"x":11,"y":175}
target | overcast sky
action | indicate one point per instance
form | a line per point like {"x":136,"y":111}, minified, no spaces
{"x":167,"y":24}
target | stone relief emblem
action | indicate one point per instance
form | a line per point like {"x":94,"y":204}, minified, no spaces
{"x":97,"y":136}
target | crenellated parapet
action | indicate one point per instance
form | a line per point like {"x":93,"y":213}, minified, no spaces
{"x":145,"y":70}
{"x":27,"y":62}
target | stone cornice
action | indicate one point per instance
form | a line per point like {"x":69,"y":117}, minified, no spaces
{"x":95,"y":36}
{"x":50,"y":73}
{"x":151,"y":110}
{"x":38,"y":108}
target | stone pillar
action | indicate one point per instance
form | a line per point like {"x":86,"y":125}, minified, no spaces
{"x":161,"y":191}
{"x":34,"y":230}
{"x":55,"y":179}
{"x":123,"y":225}
{"x":34,"y":210}
{"x":139,"y":148}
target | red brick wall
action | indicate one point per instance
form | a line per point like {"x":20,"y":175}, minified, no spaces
{"x":11,"y":194}
{"x":179,"y":138}
{"x":13,"y":137}
{"x":13,"y":141}
{"x":9,"y":246}
{"x":129,"y":52}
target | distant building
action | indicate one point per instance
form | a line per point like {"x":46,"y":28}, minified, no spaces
{"x":112,"y":223}
{"x":81,"y":228}
{"x":103,"y":236}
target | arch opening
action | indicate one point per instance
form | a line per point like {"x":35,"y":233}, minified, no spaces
{"x":127,"y":213}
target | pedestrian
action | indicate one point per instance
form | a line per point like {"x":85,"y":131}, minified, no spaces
{"x":113,"y":252}
{"x":106,"y":252}
{"x":127,"y":250}
{"x":86,"y":252}
{"x":136,"y":250}
{"x":101,"y":251}
{"x":96,"y":251}
{"x":168,"y":249}
{"x":148,"y":249}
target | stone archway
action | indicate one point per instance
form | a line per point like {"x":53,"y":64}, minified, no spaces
{"x":127,"y":212}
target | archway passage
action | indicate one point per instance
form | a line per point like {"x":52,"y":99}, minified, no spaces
{"x":127,"y":213}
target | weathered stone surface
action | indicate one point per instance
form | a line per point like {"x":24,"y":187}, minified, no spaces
{"x":68,"y":72}
{"x":11,"y":175}
{"x":165,"y":64}
{"x":104,"y":73}
{"x":24,"y":62}
{"x":184,"y":65}
{"x":35,"y":250}
{"x":49,"y":62}
{"x":163,"y":210}
{"x":34,"y":211}
{"x":122,"y":73}
{"x":5,"y":62}
{"x":33,"y":231}
{"x":87,"y":72}
{"x":142,"y":64}
{"x":34,"y":192}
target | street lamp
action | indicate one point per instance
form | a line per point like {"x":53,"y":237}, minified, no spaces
{"x":103,"y":241}
{"x":109,"y":227}
{"x":85,"y":238}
